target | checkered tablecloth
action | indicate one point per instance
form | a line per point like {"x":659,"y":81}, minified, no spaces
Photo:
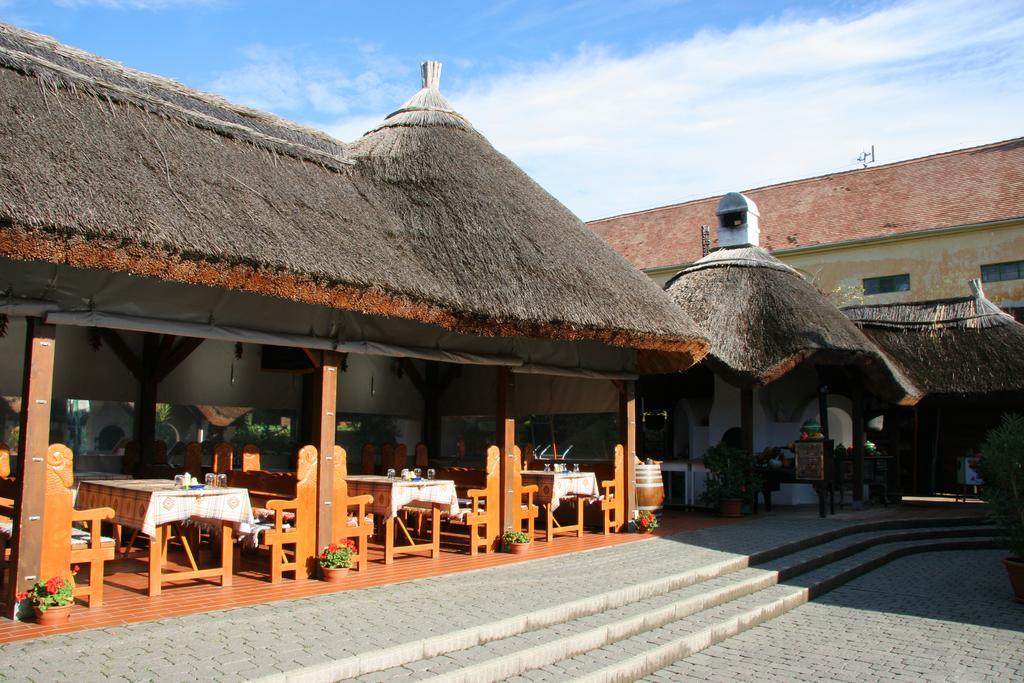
{"x":147,"y":503}
{"x":391,"y":496}
{"x":553,"y":487}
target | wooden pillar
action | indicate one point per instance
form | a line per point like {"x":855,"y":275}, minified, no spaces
{"x":505,"y":439}
{"x":431,"y":432}
{"x":326,"y":404}
{"x":627,"y":429}
{"x":858,"y":445}
{"x":145,"y":406}
{"x":747,"y":418}
{"x":27,"y":563}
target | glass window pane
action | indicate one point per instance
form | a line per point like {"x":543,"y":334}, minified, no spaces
{"x":1008,"y":271}
{"x":902,"y":283}
{"x":989,"y":273}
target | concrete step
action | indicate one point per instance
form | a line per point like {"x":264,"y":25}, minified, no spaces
{"x":644,"y":653}
{"x":571,"y":632}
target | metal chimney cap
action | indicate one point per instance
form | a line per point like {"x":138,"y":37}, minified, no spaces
{"x":734,"y":202}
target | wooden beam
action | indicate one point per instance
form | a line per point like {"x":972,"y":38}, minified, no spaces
{"x":315,"y":357}
{"x":747,"y":418}
{"x":858,"y":444}
{"x":123,"y":352}
{"x":417,"y":379}
{"x":326,"y":403}
{"x":505,"y":439}
{"x":172,"y":358}
{"x":627,"y":428}
{"x":27,"y":565}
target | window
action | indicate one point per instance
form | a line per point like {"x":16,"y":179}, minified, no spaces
{"x":997,"y":272}
{"x":889,"y":283}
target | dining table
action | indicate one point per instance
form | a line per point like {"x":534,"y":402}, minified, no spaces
{"x":158,"y":509}
{"x":393,"y":495}
{"x":555,"y":487}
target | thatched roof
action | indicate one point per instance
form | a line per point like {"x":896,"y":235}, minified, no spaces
{"x":105,"y":167}
{"x":763,"y":318}
{"x":950,"y":347}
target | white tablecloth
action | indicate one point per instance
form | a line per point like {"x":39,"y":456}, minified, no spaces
{"x":147,"y":503}
{"x":553,"y":487}
{"x":391,"y":496}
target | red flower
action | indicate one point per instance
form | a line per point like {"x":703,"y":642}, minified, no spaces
{"x":54,"y":584}
{"x":21,"y":596}
{"x":75,"y":569}
{"x":332,"y":548}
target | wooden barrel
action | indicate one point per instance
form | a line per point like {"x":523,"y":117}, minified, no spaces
{"x":650,"y":491}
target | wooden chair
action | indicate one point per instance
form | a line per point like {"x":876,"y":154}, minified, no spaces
{"x":69,"y":536}
{"x":223,"y":455}
{"x":368,"y":459}
{"x":422,"y":458}
{"x":528,"y":457}
{"x":250,"y":457}
{"x":194,"y":459}
{"x":292,"y":545}
{"x":528,"y":511}
{"x":349,"y":518}
{"x":160,"y":453}
{"x":613,"y":504}
{"x":130,"y":462}
{"x":480,"y":492}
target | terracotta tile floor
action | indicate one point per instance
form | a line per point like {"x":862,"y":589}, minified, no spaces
{"x":125,"y":598}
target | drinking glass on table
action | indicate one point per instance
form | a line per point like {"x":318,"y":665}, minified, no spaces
{"x":210,"y":480}
{"x":576,"y":467}
{"x":431,"y":473}
{"x":391,"y":473}
{"x":178,"y":481}
{"x":547,"y":467}
{"x":222,"y":480}
{"x":417,"y":472}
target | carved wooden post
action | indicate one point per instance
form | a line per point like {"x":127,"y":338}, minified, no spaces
{"x":327,"y":404}
{"x":37,"y":385}
{"x":627,"y":428}
{"x":505,"y":439}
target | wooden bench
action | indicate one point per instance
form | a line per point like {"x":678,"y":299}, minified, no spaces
{"x":480,"y":492}
{"x":284,"y":493}
{"x":76,"y":534}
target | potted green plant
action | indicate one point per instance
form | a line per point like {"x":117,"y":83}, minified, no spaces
{"x":517,"y":542}
{"x":52,"y":599}
{"x":335,"y":560}
{"x":730,"y":481}
{"x":1002,"y":470}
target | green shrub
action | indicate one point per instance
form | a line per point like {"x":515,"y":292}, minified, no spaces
{"x":1002,"y":470}
{"x":730,"y":475}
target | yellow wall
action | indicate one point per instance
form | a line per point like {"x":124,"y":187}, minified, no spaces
{"x":939,"y":264}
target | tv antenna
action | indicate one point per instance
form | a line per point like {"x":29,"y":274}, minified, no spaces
{"x":866,"y":158}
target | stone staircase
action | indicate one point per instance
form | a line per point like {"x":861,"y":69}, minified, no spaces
{"x":625,"y":634}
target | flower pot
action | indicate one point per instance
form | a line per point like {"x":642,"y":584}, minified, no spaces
{"x":730,"y":507}
{"x":336,"y":575}
{"x":54,"y":616}
{"x":1015,"y":570}
{"x":519,"y":548}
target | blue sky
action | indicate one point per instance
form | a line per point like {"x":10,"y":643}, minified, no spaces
{"x":612,"y":106}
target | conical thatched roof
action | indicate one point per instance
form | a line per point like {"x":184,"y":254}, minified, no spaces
{"x":104,"y":167}
{"x":951,"y":347}
{"x":763,"y":318}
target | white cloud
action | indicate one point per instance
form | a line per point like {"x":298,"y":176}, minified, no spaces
{"x":291,"y":80}
{"x":786,"y":99}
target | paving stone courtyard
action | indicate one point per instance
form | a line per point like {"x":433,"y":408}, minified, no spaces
{"x":945,"y":616}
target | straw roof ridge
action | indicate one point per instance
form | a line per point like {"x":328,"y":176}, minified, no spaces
{"x":959,"y":312}
{"x":762,"y":319}
{"x":59,"y":66}
{"x":424,"y":220}
{"x":959,"y":347}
